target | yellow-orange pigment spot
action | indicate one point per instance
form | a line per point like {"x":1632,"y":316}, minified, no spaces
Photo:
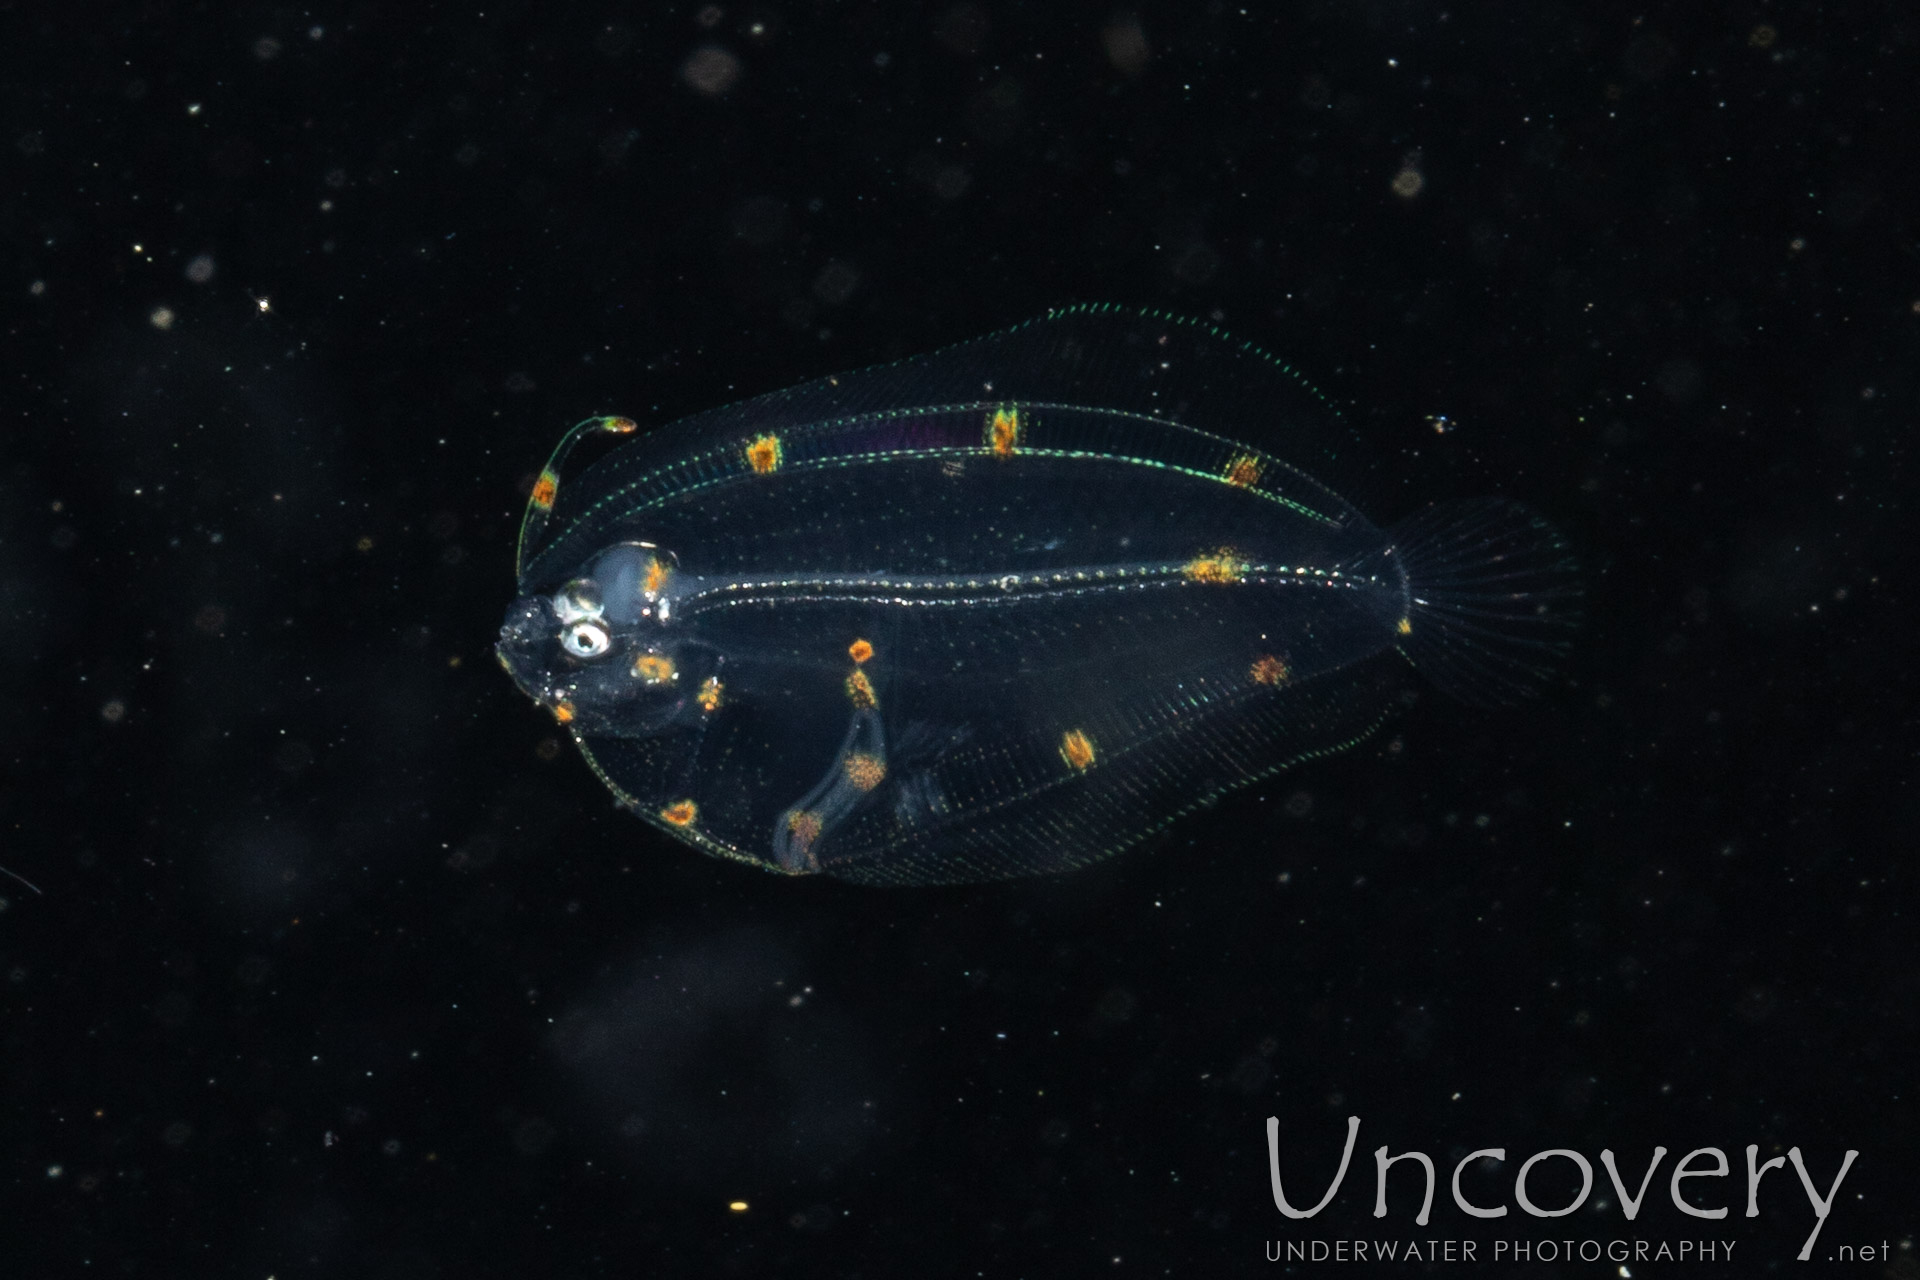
{"x":709,"y":695}
{"x":620,"y":426}
{"x":1244,"y":471}
{"x":1224,"y":565}
{"x":681,"y":814}
{"x":1076,"y":748}
{"x":860,"y":690}
{"x":805,"y":827}
{"x":657,"y":574}
{"x":543,"y":490}
{"x":1268,"y":669}
{"x":1003,"y":431}
{"x":1406,"y":627}
{"x":563,"y":711}
{"x":865,"y":772}
{"x":654,"y":668}
{"x":763,"y":455}
{"x":859,"y":651}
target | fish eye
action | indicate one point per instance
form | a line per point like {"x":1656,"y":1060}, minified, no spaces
{"x":585,"y":639}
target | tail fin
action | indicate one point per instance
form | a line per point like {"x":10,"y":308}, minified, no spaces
{"x":1495,"y":598}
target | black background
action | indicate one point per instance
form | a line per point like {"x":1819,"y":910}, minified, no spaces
{"x":344,"y":966}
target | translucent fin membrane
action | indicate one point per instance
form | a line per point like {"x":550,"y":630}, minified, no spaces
{"x":1108,"y":363}
{"x":1107,"y":799}
{"x":1494,"y":598}
{"x":546,"y":486}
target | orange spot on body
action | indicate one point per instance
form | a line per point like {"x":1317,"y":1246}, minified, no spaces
{"x":865,"y":772}
{"x":1076,"y":748}
{"x":681,"y":814}
{"x":563,"y":711}
{"x":620,"y":426}
{"x":1268,"y":669}
{"x":1405,"y":627}
{"x":544,"y":490}
{"x":764,"y":454}
{"x":1003,"y":431}
{"x":657,"y":574}
{"x":654,"y":668}
{"x":859,"y":651}
{"x":1244,"y":471}
{"x":805,"y":827}
{"x":709,"y":695}
{"x":860,"y":690}
{"x":1224,"y":565}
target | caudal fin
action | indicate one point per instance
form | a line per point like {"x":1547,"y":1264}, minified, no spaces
{"x":1496,"y":598}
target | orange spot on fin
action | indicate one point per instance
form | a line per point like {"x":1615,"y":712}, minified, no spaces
{"x":1268,"y":669}
{"x":764,"y":454}
{"x":1003,"y":431}
{"x":544,"y":490}
{"x":1076,"y":748}
{"x":1244,"y":471}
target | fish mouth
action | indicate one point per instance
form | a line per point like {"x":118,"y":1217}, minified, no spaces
{"x":524,"y":638}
